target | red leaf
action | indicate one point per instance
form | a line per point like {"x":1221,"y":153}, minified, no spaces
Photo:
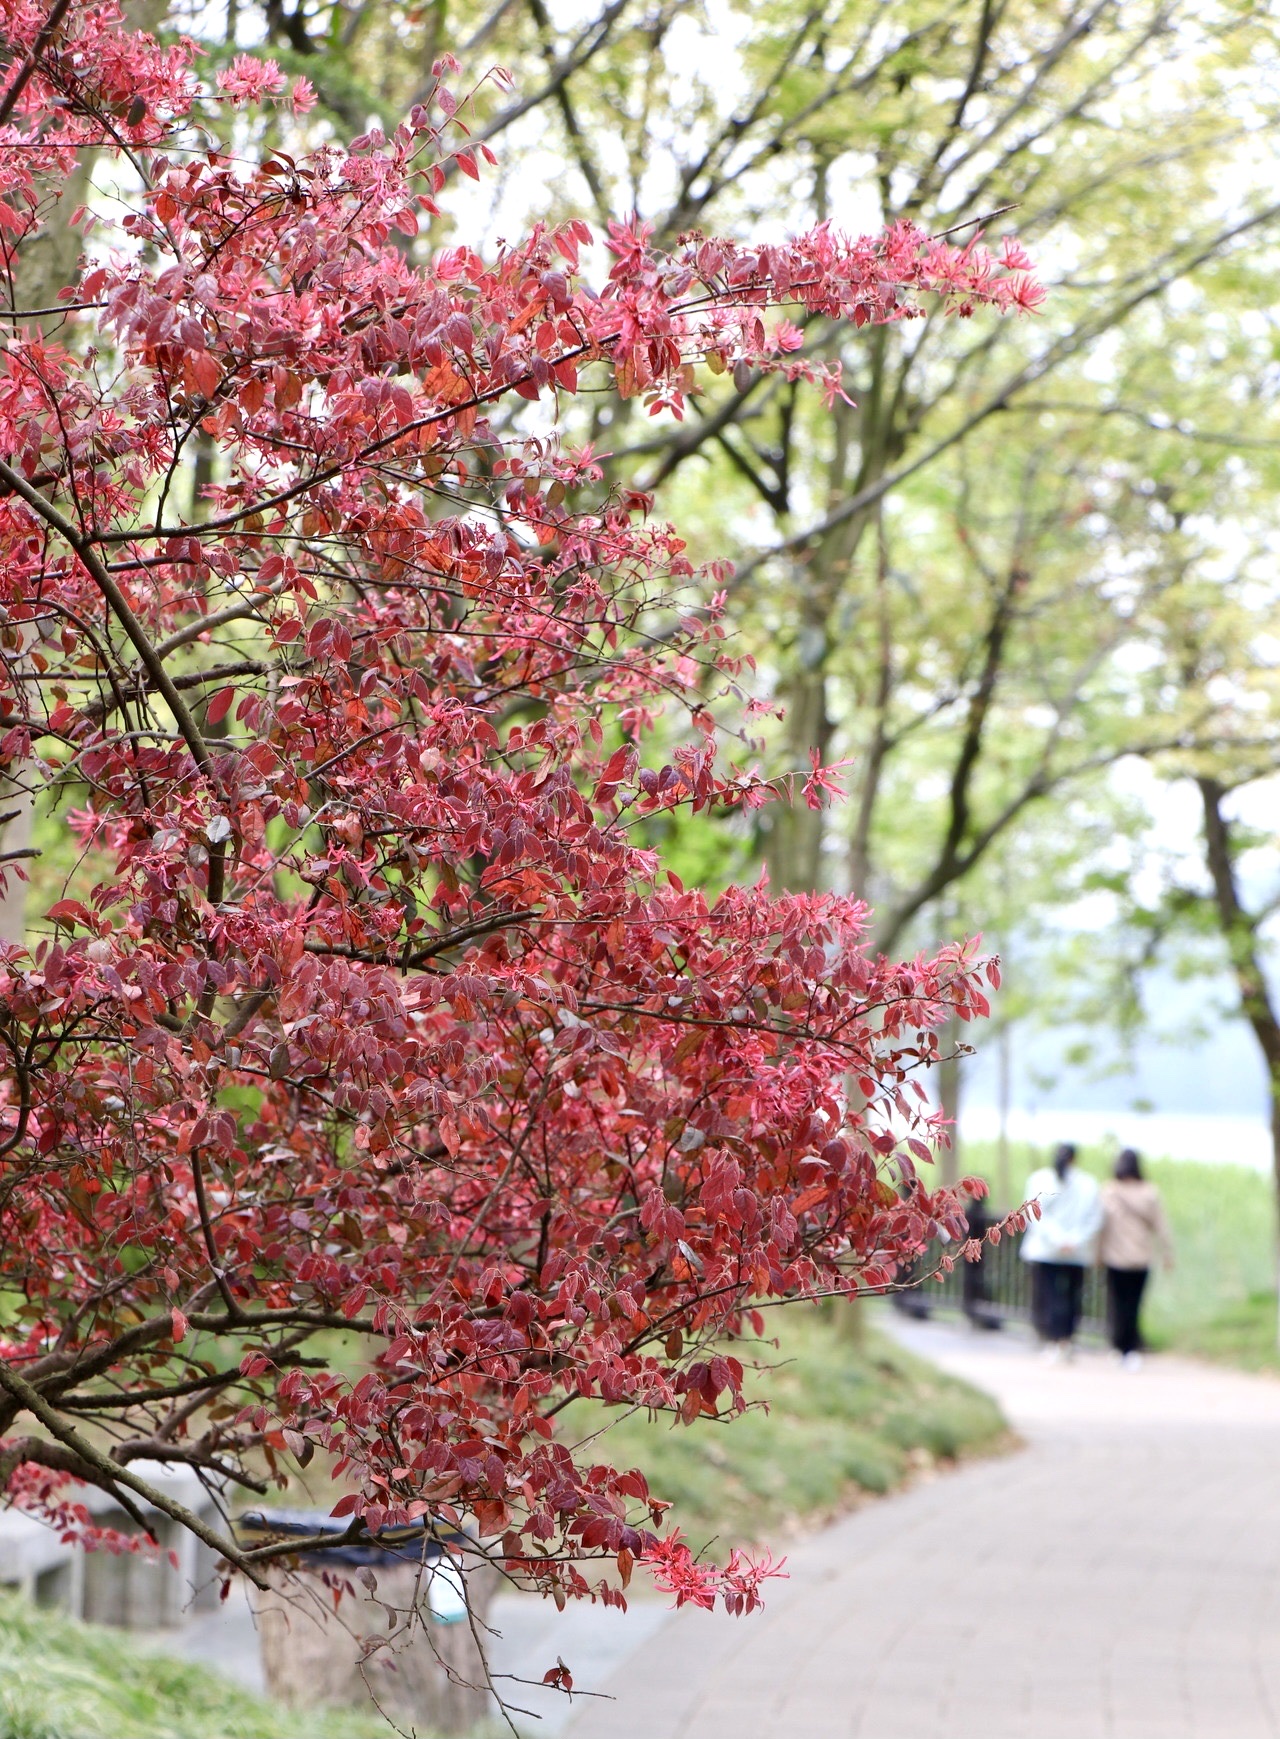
{"x":68,"y":912}
{"x":220,"y":705}
{"x":380,"y":1014}
{"x":208,"y":375}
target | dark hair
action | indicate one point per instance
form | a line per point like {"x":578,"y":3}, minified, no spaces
{"x":1128,"y":1164}
{"x":1064,"y":1157}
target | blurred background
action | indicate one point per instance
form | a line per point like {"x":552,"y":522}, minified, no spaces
{"x":1023,"y":586}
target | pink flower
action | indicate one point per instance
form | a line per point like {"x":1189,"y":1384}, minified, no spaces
{"x":737,"y":1585}
{"x":822,"y":779}
{"x":303,"y":96}
{"x":1025,"y":294}
{"x":248,"y":80}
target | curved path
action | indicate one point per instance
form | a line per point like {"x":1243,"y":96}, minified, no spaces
{"x":1117,"y":1578}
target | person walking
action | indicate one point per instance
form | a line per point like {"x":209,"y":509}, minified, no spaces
{"x":1060,"y":1246}
{"x":1134,"y":1232}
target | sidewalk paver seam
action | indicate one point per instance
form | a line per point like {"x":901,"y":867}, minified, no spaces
{"x":1120,"y":1572}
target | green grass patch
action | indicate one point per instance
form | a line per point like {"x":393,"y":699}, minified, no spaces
{"x":1242,"y":1333}
{"x":846,"y":1416}
{"x":63,"y":1680}
{"x":1219,"y":1301}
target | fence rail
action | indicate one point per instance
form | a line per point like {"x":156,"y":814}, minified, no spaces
{"x":995,"y":1289}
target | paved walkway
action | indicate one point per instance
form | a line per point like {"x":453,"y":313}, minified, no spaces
{"x":1118,"y":1578}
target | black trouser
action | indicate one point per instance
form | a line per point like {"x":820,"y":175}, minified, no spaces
{"x":1124,"y":1301}
{"x":1056,"y":1291}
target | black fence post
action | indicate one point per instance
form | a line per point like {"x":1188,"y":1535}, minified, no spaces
{"x":994,"y":1290}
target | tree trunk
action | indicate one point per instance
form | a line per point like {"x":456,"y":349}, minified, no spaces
{"x":15,"y":837}
{"x":1240,"y":928}
{"x":950,"y":1086}
{"x":873,"y":757}
{"x":1275,"y":1177}
{"x":47,"y":263}
{"x":822,"y":587}
{"x":795,"y":850}
{"x":796,"y":831}
{"x":1004,"y":1178}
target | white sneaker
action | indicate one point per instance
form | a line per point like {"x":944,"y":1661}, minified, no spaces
{"x":1132,"y":1361}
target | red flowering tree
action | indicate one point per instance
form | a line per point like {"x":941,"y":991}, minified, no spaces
{"x":366,"y":1008}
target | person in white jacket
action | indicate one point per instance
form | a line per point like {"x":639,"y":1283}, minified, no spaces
{"x":1061,"y":1244}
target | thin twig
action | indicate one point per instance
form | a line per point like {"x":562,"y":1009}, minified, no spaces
{"x":32,"y":61}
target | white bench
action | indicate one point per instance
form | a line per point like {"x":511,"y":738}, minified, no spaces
{"x":133,"y":1590}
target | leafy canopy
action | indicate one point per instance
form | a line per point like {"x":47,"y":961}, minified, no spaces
{"x":376,"y":1020}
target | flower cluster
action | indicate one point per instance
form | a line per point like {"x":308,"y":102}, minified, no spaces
{"x":249,"y":80}
{"x":735,"y":1584}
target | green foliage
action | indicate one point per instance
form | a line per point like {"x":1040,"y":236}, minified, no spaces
{"x":63,"y":1680}
{"x":703,"y":851}
{"x":1242,"y":1333}
{"x":845,"y":1417}
{"x":60,"y":857}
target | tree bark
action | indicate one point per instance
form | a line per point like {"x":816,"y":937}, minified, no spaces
{"x":877,"y":748}
{"x":865,"y":444}
{"x":950,"y":1086}
{"x":795,"y":842}
{"x":1240,"y":928}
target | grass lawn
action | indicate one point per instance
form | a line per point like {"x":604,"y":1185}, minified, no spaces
{"x":63,"y":1680}
{"x":1219,"y":1302}
{"x":845,"y":1418}
{"x":848,"y":1415}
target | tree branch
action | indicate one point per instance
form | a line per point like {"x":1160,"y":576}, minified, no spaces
{"x":1060,"y":351}
{"x":120,"y":609}
{"x":1238,"y":927}
{"x":32,"y":61}
{"x":101,"y":1470}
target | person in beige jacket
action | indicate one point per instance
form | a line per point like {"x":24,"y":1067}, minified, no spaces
{"x":1134,"y":1232}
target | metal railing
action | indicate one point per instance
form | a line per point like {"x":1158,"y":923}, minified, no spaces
{"x":995,"y":1289}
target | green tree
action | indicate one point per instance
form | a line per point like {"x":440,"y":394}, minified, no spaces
{"x":1108,"y":128}
{"x":977,"y":583}
{"x":1187,"y":471}
{"x":920,"y":573}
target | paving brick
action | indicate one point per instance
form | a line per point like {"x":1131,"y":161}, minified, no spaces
{"x":1117,"y":1579}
